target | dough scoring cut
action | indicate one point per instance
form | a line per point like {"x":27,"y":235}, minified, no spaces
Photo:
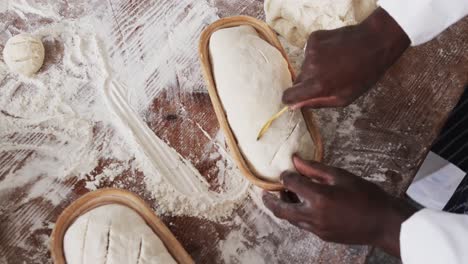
{"x":250,"y":76}
{"x":24,"y":54}
{"x":296,"y":19}
{"x":113,"y":234}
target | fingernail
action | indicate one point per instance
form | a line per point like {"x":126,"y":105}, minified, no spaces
{"x":296,"y":158}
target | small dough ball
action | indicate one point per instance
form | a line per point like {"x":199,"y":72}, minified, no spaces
{"x":24,"y":54}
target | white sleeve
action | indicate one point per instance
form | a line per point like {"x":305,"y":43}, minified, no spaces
{"x":422,"y":20}
{"x":434,"y":237}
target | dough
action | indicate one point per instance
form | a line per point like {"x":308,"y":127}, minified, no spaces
{"x":113,"y":234}
{"x":24,"y":54}
{"x":296,"y":19}
{"x":250,"y":77}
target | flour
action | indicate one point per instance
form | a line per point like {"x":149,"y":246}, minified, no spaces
{"x":80,"y":99}
{"x":4,"y":5}
{"x":59,"y":125}
{"x":241,"y":246}
{"x":109,"y":173}
{"x":106,"y":61}
{"x":24,"y":7}
{"x":43,"y":121}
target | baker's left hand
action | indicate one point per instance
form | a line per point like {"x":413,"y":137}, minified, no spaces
{"x":340,"y":207}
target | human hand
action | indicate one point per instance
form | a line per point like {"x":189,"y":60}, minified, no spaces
{"x":340,"y":207}
{"x":342,"y":64}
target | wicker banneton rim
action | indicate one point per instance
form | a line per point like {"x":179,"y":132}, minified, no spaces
{"x":268,"y":35}
{"x":102,"y":197}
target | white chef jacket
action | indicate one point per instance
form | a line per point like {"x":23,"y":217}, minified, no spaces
{"x":429,"y":236}
{"x":422,"y":20}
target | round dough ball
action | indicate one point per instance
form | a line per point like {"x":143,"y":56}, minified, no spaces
{"x":24,"y":54}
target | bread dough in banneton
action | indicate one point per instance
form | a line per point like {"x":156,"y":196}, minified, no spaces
{"x":113,"y":234}
{"x":24,"y":54}
{"x":250,"y":76}
{"x":296,"y":19}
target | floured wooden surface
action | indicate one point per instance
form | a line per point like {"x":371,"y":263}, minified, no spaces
{"x":61,"y":136}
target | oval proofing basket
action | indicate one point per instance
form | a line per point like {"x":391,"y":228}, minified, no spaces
{"x":101,"y":197}
{"x":268,"y":35}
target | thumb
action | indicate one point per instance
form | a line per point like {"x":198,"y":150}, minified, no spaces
{"x":300,"y":92}
{"x":317,"y":171}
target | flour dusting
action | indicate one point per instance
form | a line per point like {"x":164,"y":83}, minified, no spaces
{"x":81,"y":122}
{"x":84,"y":109}
{"x":62,"y":105}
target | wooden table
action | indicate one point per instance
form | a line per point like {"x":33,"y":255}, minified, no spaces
{"x":384,"y":137}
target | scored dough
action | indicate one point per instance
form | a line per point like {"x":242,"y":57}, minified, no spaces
{"x":296,"y":19}
{"x":250,"y":77}
{"x":113,"y":234}
{"x":24,"y":54}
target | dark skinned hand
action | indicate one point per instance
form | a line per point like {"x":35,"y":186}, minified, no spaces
{"x":339,"y":206}
{"x":342,"y":64}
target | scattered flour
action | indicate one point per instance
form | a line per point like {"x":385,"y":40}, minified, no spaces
{"x":86,"y":105}
{"x":103,"y":68}
{"x":47,"y":120}
{"x":54,"y":115}
{"x":260,"y":237}
{"x":108,"y":173}
{"x":4,"y":5}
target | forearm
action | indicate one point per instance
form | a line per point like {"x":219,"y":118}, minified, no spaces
{"x":389,"y":38}
{"x":397,"y":212}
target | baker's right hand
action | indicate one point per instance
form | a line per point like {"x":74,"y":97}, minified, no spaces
{"x":342,"y":64}
{"x":339,"y":206}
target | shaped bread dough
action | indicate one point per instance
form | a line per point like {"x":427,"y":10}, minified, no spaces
{"x":296,"y":19}
{"x":250,"y":77}
{"x":24,"y":54}
{"x":113,"y":234}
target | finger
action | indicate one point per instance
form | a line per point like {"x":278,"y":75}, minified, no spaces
{"x":299,"y":184}
{"x":320,"y":102}
{"x":279,"y":208}
{"x":304,"y":225}
{"x":299,"y":78}
{"x":301,"y":91}
{"x":315,"y":170}
{"x":289,"y":197}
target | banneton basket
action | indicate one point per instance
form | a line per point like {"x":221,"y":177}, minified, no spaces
{"x":268,"y":35}
{"x":102,"y":197}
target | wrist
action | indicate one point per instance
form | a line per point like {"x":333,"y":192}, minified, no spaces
{"x":397,"y":211}
{"x":391,"y":39}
